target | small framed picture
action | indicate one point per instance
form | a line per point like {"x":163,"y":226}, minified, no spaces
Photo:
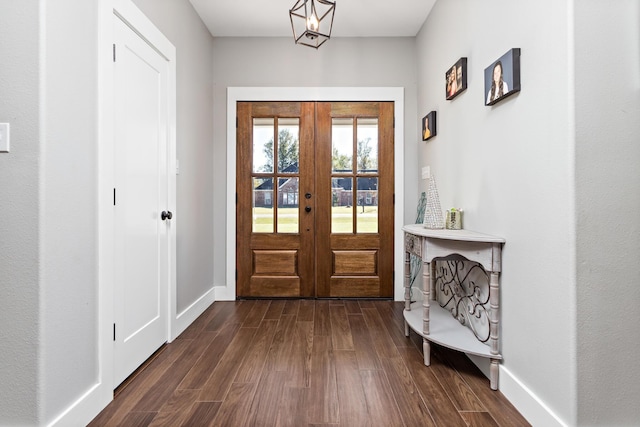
{"x":502,"y":78}
{"x":429,"y":126}
{"x":456,"y":79}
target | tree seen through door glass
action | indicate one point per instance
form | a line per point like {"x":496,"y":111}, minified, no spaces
{"x":288,"y":145}
{"x":367,"y":150}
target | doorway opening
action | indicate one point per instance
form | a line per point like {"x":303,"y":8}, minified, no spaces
{"x":315,"y":202}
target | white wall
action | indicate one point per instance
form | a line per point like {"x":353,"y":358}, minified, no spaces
{"x":19,"y":210}
{"x":68,"y":205}
{"x":510,"y":167}
{"x":178,"y":21}
{"x":608,"y":202}
{"x":341,"y":62}
{"x":48,"y":265}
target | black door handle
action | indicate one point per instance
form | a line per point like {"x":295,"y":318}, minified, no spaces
{"x":307,"y":195}
{"x":307,"y":209}
{"x":166,"y":215}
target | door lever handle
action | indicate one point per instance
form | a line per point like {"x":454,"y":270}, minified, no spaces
{"x":165,"y":215}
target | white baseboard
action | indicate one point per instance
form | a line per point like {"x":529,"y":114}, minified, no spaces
{"x":89,"y":405}
{"x":86,"y":408}
{"x":526,"y":402}
{"x":225,"y":293}
{"x":191,"y":313}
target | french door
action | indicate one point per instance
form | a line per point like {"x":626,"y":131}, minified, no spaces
{"x":314,"y":208}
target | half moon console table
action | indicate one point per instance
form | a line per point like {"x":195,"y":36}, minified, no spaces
{"x":437,"y":324}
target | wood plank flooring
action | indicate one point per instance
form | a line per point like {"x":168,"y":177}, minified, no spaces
{"x":305,"y":363}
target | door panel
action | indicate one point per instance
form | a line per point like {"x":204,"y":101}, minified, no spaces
{"x":275,"y":238}
{"x":354,"y":184}
{"x":325,"y":228}
{"x":141,"y":238}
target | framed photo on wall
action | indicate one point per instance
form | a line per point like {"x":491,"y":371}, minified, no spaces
{"x":429,"y":126}
{"x":502,"y":78}
{"x":456,"y":79}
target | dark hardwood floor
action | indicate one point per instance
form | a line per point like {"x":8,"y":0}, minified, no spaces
{"x":305,"y":363}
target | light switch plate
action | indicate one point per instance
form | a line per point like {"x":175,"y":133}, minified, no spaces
{"x":426,"y":172}
{"x":4,"y":137}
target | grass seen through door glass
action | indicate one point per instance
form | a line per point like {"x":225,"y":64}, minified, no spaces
{"x":341,"y":222}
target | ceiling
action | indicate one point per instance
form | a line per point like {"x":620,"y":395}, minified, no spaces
{"x":353,"y":18}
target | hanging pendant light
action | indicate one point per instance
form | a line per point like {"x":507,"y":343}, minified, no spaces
{"x":312,"y":21}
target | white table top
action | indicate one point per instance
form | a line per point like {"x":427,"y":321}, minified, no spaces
{"x":460,"y":235}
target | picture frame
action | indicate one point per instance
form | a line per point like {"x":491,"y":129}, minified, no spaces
{"x":456,"y":79}
{"x":502,"y":77}
{"x":429,"y":129}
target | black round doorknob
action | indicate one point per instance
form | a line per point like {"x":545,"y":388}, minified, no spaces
{"x":307,"y":209}
{"x":166,"y":215}
{"x":307,"y":195}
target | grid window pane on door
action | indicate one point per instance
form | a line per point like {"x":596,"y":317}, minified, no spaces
{"x":367,"y":211}
{"x":288,"y":216}
{"x":354,"y":192}
{"x":263,"y":131}
{"x":342,"y":205}
{"x":367,"y":181}
{"x":342,"y":134}
{"x":263,"y":205}
{"x":276,"y":157}
{"x":288,"y":153}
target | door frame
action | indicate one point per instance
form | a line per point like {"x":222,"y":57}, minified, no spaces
{"x":235,"y":94}
{"x":132,"y":16}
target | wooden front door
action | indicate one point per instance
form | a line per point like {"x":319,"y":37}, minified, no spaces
{"x":314,"y":199}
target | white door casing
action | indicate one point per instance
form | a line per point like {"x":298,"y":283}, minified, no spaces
{"x":227,"y":292}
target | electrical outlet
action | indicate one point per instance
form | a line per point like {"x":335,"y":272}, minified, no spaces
{"x":4,"y":137}
{"x":426,"y":172}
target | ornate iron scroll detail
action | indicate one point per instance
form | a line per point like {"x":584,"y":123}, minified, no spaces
{"x":462,"y":287}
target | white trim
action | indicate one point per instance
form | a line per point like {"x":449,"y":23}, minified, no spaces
{"x":191,"y":313}
{"x":527,"y":402}
{"x":83,"y":410}
{"x":235,"y":94}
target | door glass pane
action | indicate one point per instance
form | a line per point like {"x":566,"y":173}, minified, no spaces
{"x":263,"y":145}
{"x":262,"y":205}
{"x":288,"y":145}
{"x":288,"y":205}
{"x":342,"y":205}
{"x":342,"y":145}
{"x":367,"y":210}
{"x":367,"y":145}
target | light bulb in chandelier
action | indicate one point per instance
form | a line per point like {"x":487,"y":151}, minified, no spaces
{"x":312,"y":23}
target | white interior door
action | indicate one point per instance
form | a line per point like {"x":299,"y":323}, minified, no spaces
{"x":140,"y":196}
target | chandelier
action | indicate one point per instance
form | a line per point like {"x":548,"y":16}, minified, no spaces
{"x":311,"y":21}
